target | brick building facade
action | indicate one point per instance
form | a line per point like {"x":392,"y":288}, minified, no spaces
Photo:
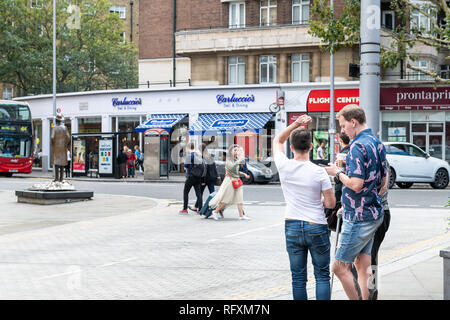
{"x":209,"y":41}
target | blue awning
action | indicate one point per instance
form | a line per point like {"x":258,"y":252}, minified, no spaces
{"x":160,"y":121}
{"x":229,"y":123}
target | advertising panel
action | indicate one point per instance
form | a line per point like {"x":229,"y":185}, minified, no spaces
{"x":79,"y":155}
{"x":105,"y":163}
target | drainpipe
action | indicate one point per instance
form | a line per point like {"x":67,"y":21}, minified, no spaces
{"x":131,"y":21}
{"x":174,"y":62}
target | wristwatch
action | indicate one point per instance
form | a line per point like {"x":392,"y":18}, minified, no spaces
{"x":338,"y":173}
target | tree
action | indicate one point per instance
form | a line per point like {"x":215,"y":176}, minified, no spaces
{"x":91,"y":57}
{"x":338,"y":32}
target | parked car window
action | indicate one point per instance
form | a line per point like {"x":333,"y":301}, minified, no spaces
{"x":396,"y":149}
{"x":414,"y":151}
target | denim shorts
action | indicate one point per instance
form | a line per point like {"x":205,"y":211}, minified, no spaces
{"x":356,"y":238}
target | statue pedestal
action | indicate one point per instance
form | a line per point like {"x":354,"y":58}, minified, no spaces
{"x":53,"y":193}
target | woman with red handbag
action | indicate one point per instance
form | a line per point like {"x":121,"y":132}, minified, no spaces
{"x":231,"y":190}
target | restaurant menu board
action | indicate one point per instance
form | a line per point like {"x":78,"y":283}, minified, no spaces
{"x":79,"y":156}
{"x":105,"y":156}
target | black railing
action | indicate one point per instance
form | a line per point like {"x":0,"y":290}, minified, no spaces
{"x":247,"y":26}
{"x":127,"y":85}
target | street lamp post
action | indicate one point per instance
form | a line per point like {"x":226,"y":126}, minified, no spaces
{"x":332,"y":129}
{"x":369,"y":85}
{"x":54,"y":61}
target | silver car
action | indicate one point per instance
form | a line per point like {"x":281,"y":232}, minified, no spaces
{"x":257,"y":171}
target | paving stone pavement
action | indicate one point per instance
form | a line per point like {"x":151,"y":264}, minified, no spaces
{"x":121,"y":247}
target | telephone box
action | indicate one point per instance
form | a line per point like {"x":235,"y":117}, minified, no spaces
{"x":156,"y":151}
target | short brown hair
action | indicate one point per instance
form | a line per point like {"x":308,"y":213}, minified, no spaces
{"x":352,"y":111}
{"x":300,"y":140}
{"x":191,"y":146}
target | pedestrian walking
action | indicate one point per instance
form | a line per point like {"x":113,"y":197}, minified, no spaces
{"x":139,"y":159}
{"x":211,"y":174}
{"x":69,"y":159}
{"x":304,"y":184}
{"x":231,"y":190}
{"x":362,"y":209}
{"x":131,"y":158}
{"x":122,"y":161}
{"x":195,"y":171}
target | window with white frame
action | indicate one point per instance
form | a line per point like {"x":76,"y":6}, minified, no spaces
{"x":120,"y":10}
{"x":445,"y":71}
{"x":300,"y":11}
{"x":300,"y":68}
{"x":422,"y":64}
{"x":267,"y":69}
{"x":236,"y":70}
{"x":7,"y":93}
{"x":237,"y":15}
{"x":421,"y":21}
{"x":387,"y":19}
{"x":268,"y":12}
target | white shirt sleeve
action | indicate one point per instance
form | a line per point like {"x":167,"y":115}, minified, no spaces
{"x":280,"y":159}
{"x":325,"y":180}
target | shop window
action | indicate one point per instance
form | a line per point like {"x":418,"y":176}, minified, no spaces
{"x":300,"y":11}
{"x":236,"y":70}
{"x":395,"y":131}
{"x":237,"y":15}
{"x":128,"y":137}
{"x":268,"y":12}
{"x":267,"y":69}
{"x":89,"y":125}
{"x":447,"y":141}
{"x":300,"y":68}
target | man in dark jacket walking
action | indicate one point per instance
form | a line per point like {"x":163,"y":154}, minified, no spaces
{"x":192,"y":162}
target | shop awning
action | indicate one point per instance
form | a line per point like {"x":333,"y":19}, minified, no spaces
{"x":160,"y":121}
{"x":229,"y":123}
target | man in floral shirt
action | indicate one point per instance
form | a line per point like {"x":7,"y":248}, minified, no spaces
{"x":366,"y":171}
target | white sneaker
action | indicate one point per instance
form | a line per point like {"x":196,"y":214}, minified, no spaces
{"x":216,"y":216}
{"x":244,"y":218}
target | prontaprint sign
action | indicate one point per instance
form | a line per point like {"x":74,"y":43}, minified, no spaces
{"x":415,"y":98}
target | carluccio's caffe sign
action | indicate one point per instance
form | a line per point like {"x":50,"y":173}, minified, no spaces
{"x":126,"y":104}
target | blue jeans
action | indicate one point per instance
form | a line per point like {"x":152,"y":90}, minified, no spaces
{"x":302,"y":236}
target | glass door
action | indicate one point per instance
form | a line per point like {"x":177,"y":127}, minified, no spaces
{"x":429,"y":137}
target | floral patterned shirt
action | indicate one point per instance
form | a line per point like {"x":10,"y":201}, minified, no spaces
{"x":366,"y":160}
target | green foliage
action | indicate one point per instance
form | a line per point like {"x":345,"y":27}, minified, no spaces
{"x":337,"y":32}
{"x":88,"y":58}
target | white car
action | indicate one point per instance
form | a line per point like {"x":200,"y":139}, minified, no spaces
{"x":411,"y":164}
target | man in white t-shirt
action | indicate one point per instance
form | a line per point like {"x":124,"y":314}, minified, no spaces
{"x":307,"y":190}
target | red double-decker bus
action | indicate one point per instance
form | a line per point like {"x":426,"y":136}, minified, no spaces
{"x":16,"y":137}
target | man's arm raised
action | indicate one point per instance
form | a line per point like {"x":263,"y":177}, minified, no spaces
{"x":280,"y":139}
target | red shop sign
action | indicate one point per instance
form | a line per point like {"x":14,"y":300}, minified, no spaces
{"x":319,"y":100}
{"x":292,"y":116}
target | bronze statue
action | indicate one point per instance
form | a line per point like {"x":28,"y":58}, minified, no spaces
{"x":60,"y":143}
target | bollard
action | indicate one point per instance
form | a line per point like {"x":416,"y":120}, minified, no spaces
{"x":445,"y":253}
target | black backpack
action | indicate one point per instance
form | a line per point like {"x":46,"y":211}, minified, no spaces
{"x":199,"y":168}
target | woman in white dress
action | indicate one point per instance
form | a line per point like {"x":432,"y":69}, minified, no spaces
{"x":227,"y":194}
